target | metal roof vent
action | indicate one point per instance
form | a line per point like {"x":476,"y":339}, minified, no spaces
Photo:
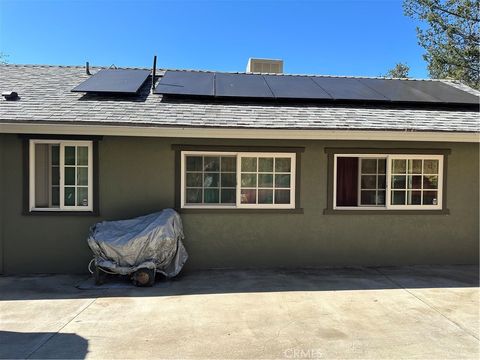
{"x":10,"y":95}
{"x":265,"y":66}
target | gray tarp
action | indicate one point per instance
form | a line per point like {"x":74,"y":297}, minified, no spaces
{"x":152,"y":241}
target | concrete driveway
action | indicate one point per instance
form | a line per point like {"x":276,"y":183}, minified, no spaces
{"x":383,"y":313}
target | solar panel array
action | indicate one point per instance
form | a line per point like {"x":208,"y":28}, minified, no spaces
{"x":124,"y":81}
{"x":259,"y":86}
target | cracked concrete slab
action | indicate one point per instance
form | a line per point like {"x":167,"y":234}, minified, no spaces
{"x":357,"y":313}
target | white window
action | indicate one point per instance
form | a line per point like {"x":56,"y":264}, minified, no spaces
{"x":241,"y":180}
{"x":61,"y":175}
{"x":380,"y":181}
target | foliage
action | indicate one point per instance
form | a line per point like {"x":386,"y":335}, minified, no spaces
{"x":3,"y":58}
{"x":450,"y":36}
{"x":399,"y":71}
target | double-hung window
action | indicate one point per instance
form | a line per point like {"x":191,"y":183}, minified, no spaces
{"x":61,"y":175}
{"x":388,"y":181}
{"x":237,"y":180}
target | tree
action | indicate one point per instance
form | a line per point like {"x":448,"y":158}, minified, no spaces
{"x":450,"y":35}
{"x":399,"y":71}
{"x":3,"y":58}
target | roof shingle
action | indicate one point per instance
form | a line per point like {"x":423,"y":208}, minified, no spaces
{"x":45,"y":96}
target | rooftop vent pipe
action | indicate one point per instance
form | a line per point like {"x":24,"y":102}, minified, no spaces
{"x":154,"y":71}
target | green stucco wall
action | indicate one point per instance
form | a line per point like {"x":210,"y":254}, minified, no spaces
{"x":137,"y":177}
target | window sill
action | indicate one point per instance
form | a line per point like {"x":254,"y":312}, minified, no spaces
{"x":61,"y":213}
{"x":239,"y":211}
{"x":386,"y":212}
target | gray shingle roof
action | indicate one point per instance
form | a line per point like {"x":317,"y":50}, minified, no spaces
{"x":45,"y":96}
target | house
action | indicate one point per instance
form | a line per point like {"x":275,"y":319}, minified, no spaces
{"x":267,"y":170}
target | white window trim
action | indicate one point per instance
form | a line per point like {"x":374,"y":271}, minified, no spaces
{"x":388,"y":189}
{"x":238,"y":205}
{"x":62,"y":144}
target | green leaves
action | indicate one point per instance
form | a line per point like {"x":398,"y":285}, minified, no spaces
{"x":451,"y":37}
{"x":399,"y":71}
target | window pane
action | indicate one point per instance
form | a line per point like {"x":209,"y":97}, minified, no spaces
{"x":265,"y":180}
{"x":381,"y":181}
{"x":399,"y":166}
{"x":430,"y":182}
{"x":211,"y":180}
{"x":282,"y":164}
{"x":82,"y":176}
{"x":194,"y":163}
{"x":82,"y":155}
{"x":265,"y":164}
{"x":194,"y":179}
{"x":398,"y":182}
{"x":55,"y":196}
{"x":248,"y":196}
{"x":430,"y":198}
{"x":55,"y":175}
{"x":265,"y":196}
{"x":430,"y":167}
{"x":69,"y":155}
{"x":282,"y":196}
{"x":69,"y":196}
{"x":369,"y":182}
{"x":381,"y":198}
{"x":249,"y":180}
{"x":69,"y":176}
{"x":55,"y":154}
{"x":414,"y":166}
{"x":228,"y":196}
{"x":368,"y":197}
{"x":249,"y":164}
{"x":194,"y":196}
{"x":382,"y":165}
{"x":414,"y":198}
{"x":211,"y":163}
{"x":282,"y":180}
{"x":398,"y":197}
{"x":82,"y":196}
{"x":414,"y":182}
{"x":211,"y":196}
{"x":369,"y":166}
{"x":229,"y":180}
{"x":229,"y":164}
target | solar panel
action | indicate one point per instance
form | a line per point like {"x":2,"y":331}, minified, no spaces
{"x":443,"y":92}
{"x":295,"y":87}
{"x":347,"y":89}
{"x":230,"y":85}
{"x":241,"y":85}
{"x":398,"y":90}
{"x":186,"y":83}
{"x":125,"y":81}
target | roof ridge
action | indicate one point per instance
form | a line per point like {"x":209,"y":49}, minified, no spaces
{"x":73,"y":66}
{"x":228,"y":72}
{"x":309,"y":75}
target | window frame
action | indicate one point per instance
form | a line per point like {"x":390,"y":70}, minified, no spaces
{"x":238,"y":155}
{"x":31,"y":179}
{"x":389,"y":157}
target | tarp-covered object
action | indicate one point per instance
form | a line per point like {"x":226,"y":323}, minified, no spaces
{"x":152,"y":241}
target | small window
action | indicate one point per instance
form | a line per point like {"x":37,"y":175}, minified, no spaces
{"x":243,"y":180}
{"x":60,"y":175}
{"x":388,"y":181}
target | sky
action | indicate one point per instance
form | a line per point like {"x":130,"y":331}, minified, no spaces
{"x":361,"y":38}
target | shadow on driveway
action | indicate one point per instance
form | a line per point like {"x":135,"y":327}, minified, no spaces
{"x":24,"y":345}
{"x":244,"y":281}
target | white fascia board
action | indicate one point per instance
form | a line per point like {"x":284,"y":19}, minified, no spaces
{"x":237,"y":133}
